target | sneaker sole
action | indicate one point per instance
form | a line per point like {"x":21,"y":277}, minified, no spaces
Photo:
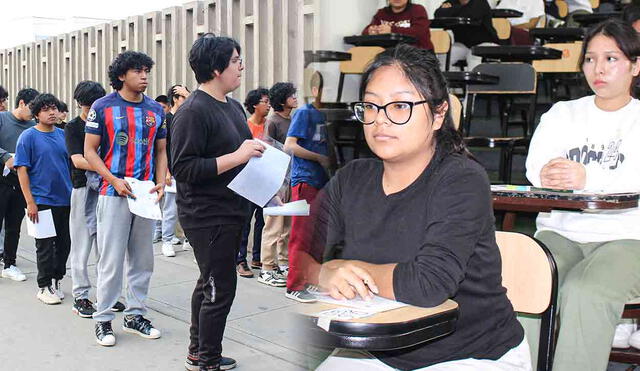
{"x":105,"y":344}
{"x":132,"y":331}
{"x":292,"y":297}
{"x":81,"y":315}
{"x":191,"y":367}
{"x":228,"y":367}
{"x":245,"y":275}
{"x":272,"y":283}
{"x":48,"y":302}
{"x":19,"y":279}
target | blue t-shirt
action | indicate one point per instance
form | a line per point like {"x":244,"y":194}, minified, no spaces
{"x":309,"y":126}
{"x":129,"y":132}
{"x":45,"y":157}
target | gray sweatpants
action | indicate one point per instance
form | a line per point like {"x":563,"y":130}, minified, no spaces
{"x":122,"y":233}
{"x":169,"y":216}
{"x":82,"y":242}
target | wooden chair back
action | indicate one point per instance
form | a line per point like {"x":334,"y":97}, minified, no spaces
{"x":502,"y":27}
{"x":441,"y":41}
{"x":455,"y":110}
{"x":569,"y":63}
{"x":361,"y":56}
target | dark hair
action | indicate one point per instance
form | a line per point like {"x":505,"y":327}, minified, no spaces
{"x":625,"y":37}
{"x":87,"y":92}
{"x":43,"y":101}
{"x":3,"y":92}
{"x":171,"y":95}
{"x":124,"y":62}
{"x":63,"y":107}
{"x":26,"y":95}
{"x":422,"y":69}
{"x":211,"y":53}
{"x":162,"y":99}
{"x":279,"y":93}
{"x":253,"y":98}
{"x":406,"y":8}
{"x":630,"y":14}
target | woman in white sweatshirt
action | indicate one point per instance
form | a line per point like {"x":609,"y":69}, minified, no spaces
{"x":593,"y":143}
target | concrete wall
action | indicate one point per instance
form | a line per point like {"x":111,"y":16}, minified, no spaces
{"x":272,"y":33}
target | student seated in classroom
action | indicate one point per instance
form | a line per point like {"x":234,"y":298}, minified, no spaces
{"x":466,"y":37}
{"x":416,"y":224}
{"x":591,"y":144}
{"x":401,"y":16}
{"x":532,"y":14}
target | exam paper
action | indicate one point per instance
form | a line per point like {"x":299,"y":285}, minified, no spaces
{"x":44,"y":228}
{"x":144,"y":204}
{"x":263,"y":176}
{"x":297,"y":208}
{"x":376,"y":305}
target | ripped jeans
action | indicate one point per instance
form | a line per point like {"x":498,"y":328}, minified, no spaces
{"x":215,"y":249}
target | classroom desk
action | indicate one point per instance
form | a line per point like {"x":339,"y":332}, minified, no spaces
{"x":394,"y":329}
{"x":463,"y":78}
{"x":388,"y":40}
{"x":516,"y":53}
{"x":541,"y":201}
{"x":451,"y":22}
{"x":505,"y":13}
{"x":591,"y":19}
{"x":558,"y":35}
{"x":323,"y":56}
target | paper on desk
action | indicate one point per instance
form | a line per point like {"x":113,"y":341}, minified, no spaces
{"x":144,"y":204}
{"x":44,"y":228}
{"x":298,"y":208}
{"x":376,"y":305}
{"x":263,"y":176}
{"x":6,"y":170}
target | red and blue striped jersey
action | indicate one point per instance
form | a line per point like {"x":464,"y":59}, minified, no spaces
{"x":129,"y":131}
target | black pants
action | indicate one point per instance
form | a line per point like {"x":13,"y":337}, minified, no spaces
{"x":215,"y":250}
{"x":12,"y":206}
{"x":52,"y":253}
{"x":257,"y":236}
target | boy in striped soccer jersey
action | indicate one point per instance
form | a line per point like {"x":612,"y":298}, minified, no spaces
{"x":125,"y":137}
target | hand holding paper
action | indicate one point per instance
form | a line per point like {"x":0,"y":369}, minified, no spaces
{"x":43,"y":226}
{"x":144,"y":203}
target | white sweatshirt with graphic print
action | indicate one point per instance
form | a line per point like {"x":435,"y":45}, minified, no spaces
{"x":608,"y":145}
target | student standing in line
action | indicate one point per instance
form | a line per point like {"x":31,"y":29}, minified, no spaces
{"x":257,"y":104}
{"x":42,"y":163}
{"x":210,"y":144}
{"x":125,"y":137}
{"x":12,"y":202}
{"x":275,"y":234}
{"x":416,"y":225}
{"x":591,"y":143}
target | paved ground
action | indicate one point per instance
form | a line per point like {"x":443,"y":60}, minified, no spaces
{"x":34,"y":336}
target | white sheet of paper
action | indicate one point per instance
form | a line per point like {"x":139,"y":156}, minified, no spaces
{"x":44,"y":228}
{"x":6,"y":170}
{"x":345,"y":313}
{"x":171,"y":188}
{"x":262,"y":177}
{"x":376,"y":305}
{"x":298,"y":208}
{"x":144,"y":204}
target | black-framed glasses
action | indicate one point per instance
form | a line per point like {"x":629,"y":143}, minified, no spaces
{"x":398,"y":112}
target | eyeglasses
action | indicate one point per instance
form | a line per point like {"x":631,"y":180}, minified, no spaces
{"x":398,"y":112}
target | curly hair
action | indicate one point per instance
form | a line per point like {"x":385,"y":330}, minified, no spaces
{"x":42,"y":101}
{"x":211,"y":53}
{"x":279,"y":93}
{"x":253,"y":99}
{"x":87,"y":92}
{"x":124,"y":62}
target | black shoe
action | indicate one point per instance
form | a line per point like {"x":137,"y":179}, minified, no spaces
{"x":83,"y":307}
{"x":118,"y":307}
{"x":192,"y":363}
{"x":104,"y":334}
{"x":137,"y":324}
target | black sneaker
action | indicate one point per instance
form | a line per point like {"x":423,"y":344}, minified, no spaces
{"x":136,"y":324}
{"x":83,"y":307}
{"x":118,"y":307}
{"x":104,"y":334}
{"x":192,"y":363}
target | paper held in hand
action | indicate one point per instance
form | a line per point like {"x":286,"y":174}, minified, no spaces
{"x":44,"y":228}
{"x":298,"y":208}
{"x":261,"y":179}
{"x":144,"y":204}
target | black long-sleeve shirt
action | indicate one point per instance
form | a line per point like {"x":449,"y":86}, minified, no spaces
{"x":476,"y":10}
{"x":202,"y":130}
{"x":440,"y":232}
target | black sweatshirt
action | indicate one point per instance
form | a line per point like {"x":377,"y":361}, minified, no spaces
{"x":440,"y":231}
{"x":203,"y":129}
{"x":471,"y":35}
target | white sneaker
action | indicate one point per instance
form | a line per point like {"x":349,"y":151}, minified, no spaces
{"x":623,"y":334}
{"x":186,"y":245}
{"x":48,"y":295}
{"x":284,"y":270}
{"x":14,"y":273}
{"x":57,"y":288}
{"x":176,"y":241}
{"x":167,"y":249}
{"x":634,"y":340}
